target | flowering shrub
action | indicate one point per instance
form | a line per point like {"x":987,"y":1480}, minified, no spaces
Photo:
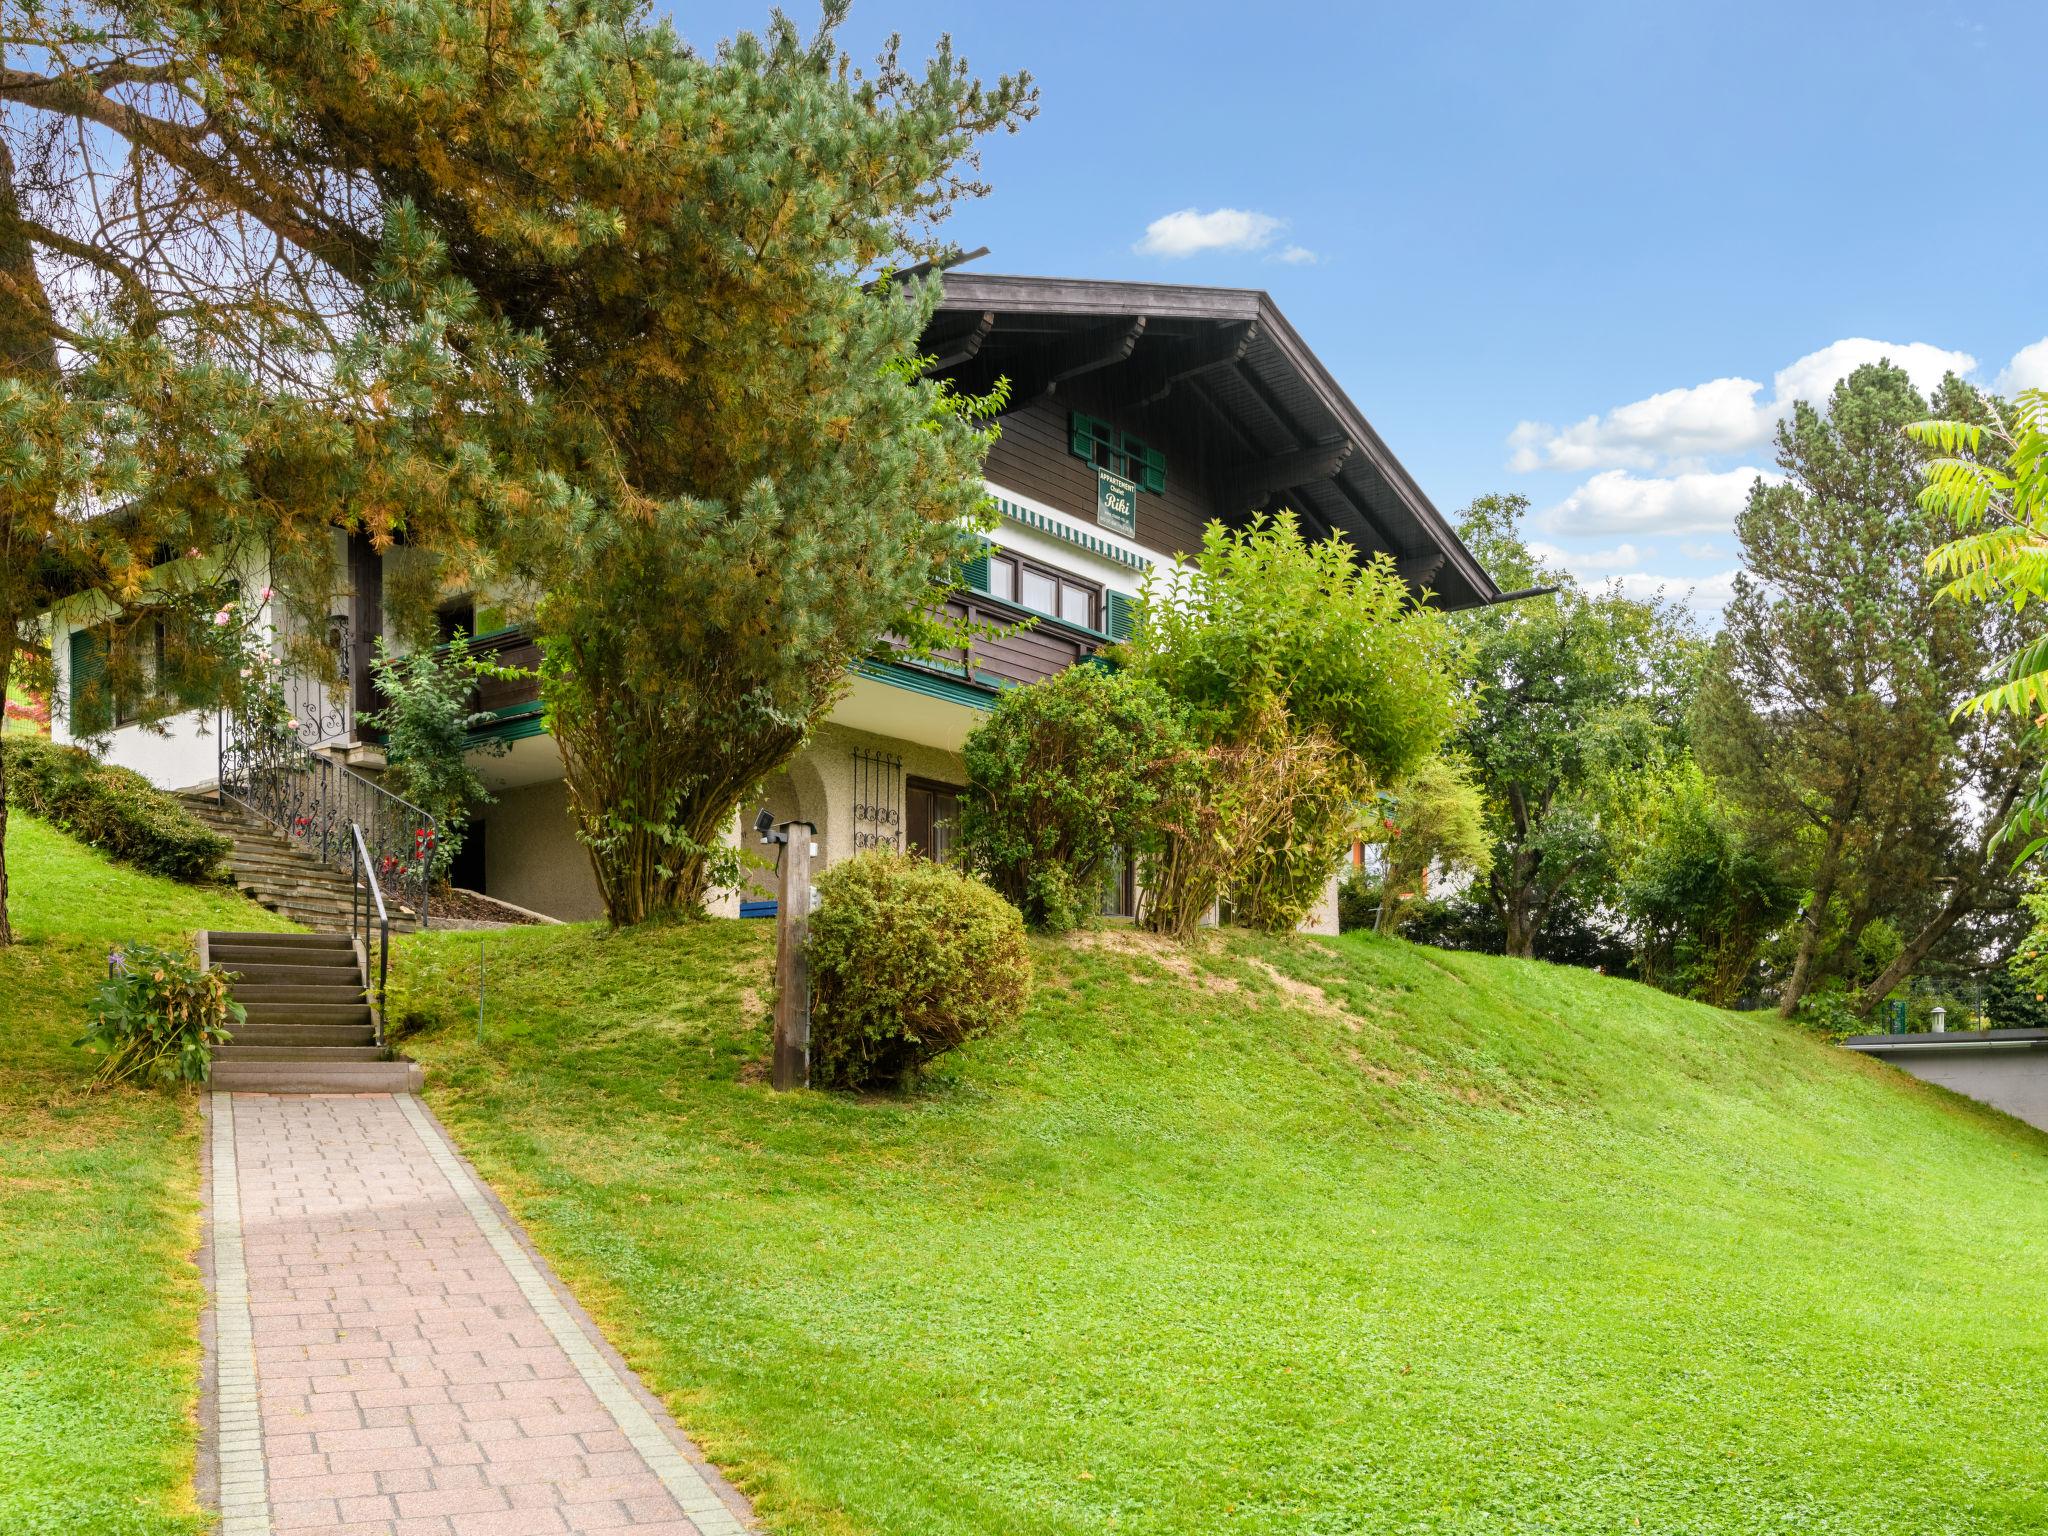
{"x":158,"y":1017}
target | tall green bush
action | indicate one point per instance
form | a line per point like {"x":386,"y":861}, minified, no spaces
{"x":112,"y":809}
{"x":1704,"y":893}
{"x":1062,"y":777}
{"x":1297,"y":655}
{"x":908,"y":959}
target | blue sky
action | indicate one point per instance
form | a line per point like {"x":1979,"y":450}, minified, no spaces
{"x":1581,"y":251}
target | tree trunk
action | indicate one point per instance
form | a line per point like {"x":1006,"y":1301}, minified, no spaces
{"x":1959,"y":902}
{"x":28,"y":351}
{"x":1963,"y":898}
{"x":1816,"y":918}
{"x":7,"y":641}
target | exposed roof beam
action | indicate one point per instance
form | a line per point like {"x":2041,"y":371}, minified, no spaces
{"x":1419,"y":570}
{"x":1218,"y":415}
{"x":1225,"y":351}
{"x":1320,"y":461}
{"x":1083,"y":352}
{"x":1103,"y":347}
{"x":961,"y":349}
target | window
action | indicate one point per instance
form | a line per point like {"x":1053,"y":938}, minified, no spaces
{"x":1118,"y":452}
{"x":142,"y":664}
{"x":457,"y":616}
{"x":1038,"y":590}
{"x":931,"y":815}
{"x":1044,"y":589}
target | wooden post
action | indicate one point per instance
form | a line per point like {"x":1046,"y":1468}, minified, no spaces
{"x":792,"y":965}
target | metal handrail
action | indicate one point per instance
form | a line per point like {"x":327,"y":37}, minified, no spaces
{"x":312,"y":799}
{"x":365,"y":883}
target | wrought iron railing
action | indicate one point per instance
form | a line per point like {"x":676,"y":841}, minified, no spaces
{"x":268,"y":770}
{"x":321,"y":710}
{"x":366,"y":907}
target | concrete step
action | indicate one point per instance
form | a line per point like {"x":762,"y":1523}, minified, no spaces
{"x":269,"y":952}
{"x":289,"y":975}
{"x":287,"y":941}
{"x":300,"y":1053}
{"x":316,"y":1077}
{"x":306,"y":1013}
{"x":348,"y":994}
{"x":303,"y":1034}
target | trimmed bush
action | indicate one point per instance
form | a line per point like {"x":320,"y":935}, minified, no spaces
{"x":908,"y":959}
{"x":1062,"y":776}
{"x":112,"y":809}
{"x":158,"y":1018}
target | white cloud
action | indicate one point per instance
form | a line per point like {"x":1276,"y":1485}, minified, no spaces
{"x":1583,"y":562}
{"x":1616,"y":501}
{"x":1720,"y":416}
{"x":1190,"y":232}
{"x":1698,"y":551}
{"x":1816,"y":374}
{"x":1298,"y":256}
{"x":1680,"y":429}
{"x":2027,"y":370}
{"x":1705,"y":595}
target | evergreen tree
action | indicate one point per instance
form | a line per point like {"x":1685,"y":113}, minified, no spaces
{"x":741,"y":480}
{"x":211,"y":339}
{"x":587,"y":313}
{"x":1829,"y":708}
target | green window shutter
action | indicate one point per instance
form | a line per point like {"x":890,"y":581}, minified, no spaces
{"x":1116,"y":615}
{"x":975,"y":572}
{"x":91,"y":708}
{"x":1150,"y":465}
{"x":1081,"y":435}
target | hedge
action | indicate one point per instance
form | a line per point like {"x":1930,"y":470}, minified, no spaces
{"x":112,"y":809}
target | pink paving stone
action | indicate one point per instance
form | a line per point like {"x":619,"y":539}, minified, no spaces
{"x":407,"y":1386}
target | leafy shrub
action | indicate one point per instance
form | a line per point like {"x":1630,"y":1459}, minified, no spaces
{"x":158,"y":1018}
{"x":1358,"y":901}
{"x":118,"y":812}
{"x":1223,"y":825}
{"x":426,"y":720}
{"x":908,"y":959}
{"x":1063,"y":775}
{"x":1433,"y":818}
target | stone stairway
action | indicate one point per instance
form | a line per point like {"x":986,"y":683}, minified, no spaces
{"x":278,"y":873}
{"x":311,"y":1028}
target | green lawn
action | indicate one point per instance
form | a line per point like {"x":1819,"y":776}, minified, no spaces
{"x":1306,"y":1237}
{"x":99,"y":1298}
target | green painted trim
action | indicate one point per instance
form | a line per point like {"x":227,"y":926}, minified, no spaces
{"x":510,"y":722}
{"x":516,"y":722}
{"x":934,"y":685}
{"x":1074,"y":536}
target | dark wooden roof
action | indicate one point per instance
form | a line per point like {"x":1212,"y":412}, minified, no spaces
{"x":1287,"y":433}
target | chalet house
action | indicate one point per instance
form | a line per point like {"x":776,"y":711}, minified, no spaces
{"x":1139,"y":412}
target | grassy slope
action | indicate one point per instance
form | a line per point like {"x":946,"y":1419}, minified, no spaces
{"x":1307,"y":1238}
{"x":99,"y":1299}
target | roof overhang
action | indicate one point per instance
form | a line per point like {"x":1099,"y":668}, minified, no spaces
{"x":1231,"y":356}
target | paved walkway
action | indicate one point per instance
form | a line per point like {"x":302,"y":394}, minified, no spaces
{"x":388,"y":1356}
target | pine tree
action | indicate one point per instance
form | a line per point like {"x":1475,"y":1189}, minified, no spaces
{"x":1829,"y":709}
{"x":210,"y":340}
